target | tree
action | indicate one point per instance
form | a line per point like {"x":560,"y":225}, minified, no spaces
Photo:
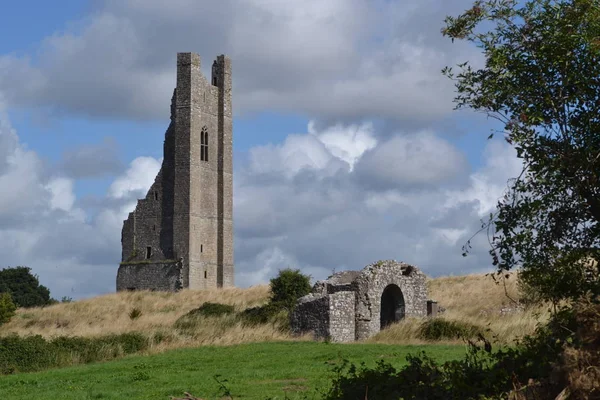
{"x":289,"y":286}
{"x":24,"y":287}
{"x":541,"y":81}
{"x":7,"y":308}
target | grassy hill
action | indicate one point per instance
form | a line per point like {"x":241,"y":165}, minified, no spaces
{"x":472,"y":298}
{"x":258,"y":362}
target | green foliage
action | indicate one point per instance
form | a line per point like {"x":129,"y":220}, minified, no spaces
{"x":482,"y":373}
{"x":289,"y":286}
{"x":34,"y":353}
{"x":541,"y":81}
{"x":212,"y":310}
{"x":286,"y":289}
{"x":439,"y":328}
{"x":7,"y":308}
{"x":259,"y":315}
{"x":24,"y":287}
{"x":135,"y":313}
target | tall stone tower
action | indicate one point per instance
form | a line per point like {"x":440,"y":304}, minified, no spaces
{"x":181,"y":234}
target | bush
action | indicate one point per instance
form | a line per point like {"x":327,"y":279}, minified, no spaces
{"x":34,"y":353}
{"x":482,"y":374}
{"x":259,"y":315}
{"x":212,"y":310}
{"x":288,"y":287}
{"x":7,"y":308}
{"x":439,"y":328}
{"x":24,"y":287}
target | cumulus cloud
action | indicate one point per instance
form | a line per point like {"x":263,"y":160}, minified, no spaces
{"x":137,"y":179}
{"x":403,"y":208}
{"x":333,"y":60}
{"x":42,"y":226}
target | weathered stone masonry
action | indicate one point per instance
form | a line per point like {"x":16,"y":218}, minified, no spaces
{"x":181,"y":234}
{"x":353,"y":305}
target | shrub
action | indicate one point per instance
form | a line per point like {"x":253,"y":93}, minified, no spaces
{"x":259,"y":315}
{"x":34,"y":353}
{"x":288,"y":287}
{"x":439,"y":328}
{"x":212,"y":310}
{"x":482,"y":374}
{"x":7,"y":308}
{"x":135,"y":313}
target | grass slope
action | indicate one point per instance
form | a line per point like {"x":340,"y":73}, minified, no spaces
{"x":253,"y":371}
{"x":472,"y":298}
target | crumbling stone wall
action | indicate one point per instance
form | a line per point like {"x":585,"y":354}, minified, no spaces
{"x":311,"y":315}
{"x":188,"y":212}
{"x":164,"y":276}
{"x":347,"y":306}
{"x":325,"y":316}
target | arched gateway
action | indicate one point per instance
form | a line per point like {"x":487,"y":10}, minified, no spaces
{"x":353,"y":305}
{"x":392,"y":306}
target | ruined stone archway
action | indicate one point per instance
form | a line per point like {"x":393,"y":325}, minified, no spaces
{"x":355,"y":305}
{"x":392,"y":306}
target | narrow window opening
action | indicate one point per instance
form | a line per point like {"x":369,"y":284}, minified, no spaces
{"x":204,"y":144}
{"x":148,"y":252}
{"x":205,"y":275}
{"x":215,"y":81}
{"x":201,"y":248}
{"x":155,"y":195}
{"x":153,"y":227}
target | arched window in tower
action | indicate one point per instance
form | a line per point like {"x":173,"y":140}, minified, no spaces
{"x":204,"y":144}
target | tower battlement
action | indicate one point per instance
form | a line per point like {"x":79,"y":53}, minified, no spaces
{"x":182,"y":231}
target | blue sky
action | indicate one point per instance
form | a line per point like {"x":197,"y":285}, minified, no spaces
{"x":346,"y":147}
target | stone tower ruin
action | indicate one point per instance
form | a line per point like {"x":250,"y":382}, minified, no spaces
{"x":181,"y":234}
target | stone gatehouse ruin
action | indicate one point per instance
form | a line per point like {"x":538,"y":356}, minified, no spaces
{"x":354,"y":305}
{"x":181,"y":234}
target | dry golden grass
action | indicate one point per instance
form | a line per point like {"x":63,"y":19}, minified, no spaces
{"x":109,"y":314}
{"x":473,"y":298}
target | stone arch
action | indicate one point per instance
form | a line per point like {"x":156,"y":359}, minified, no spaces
{"x":392,"y":307}
{"x":370,"y":286}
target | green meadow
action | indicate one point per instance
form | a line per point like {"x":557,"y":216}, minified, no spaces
{"x":276,"y":370}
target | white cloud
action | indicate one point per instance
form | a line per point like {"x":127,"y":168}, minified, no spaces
{"x":490,"y":182}
{"x":62,"y":197}
{"x":137,"y":179}
{"x":423,"y":214}
{"x":335,"y":148}
{"x":41,"y":225}
{"x":334,"y":60}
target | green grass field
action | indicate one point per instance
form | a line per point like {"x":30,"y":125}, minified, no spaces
{"x":252,"y":371}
